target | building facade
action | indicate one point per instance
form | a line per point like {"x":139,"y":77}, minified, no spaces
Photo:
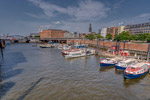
{"x":113,"y":31}
{"x":121,"y":29}
{"x":138,"y":28}
{"x":103,"y":32}
{"x":52,"y":33}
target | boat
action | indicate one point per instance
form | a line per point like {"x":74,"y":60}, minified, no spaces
{"x":81,"y":46}
{"x":109,"y":61}
{"x":65,"y":52}
{"x":80,"y":53}
{"x":136,"y":70}
{"x":122,"y":65}
{"x":59,"y":46}
{"x":66,"y":47}
{"x":45,"y":45}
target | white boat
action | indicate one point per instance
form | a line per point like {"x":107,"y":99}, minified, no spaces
{"x":64,"y":47}
{"x":122,"y":65}
{"x":65,"y":52}
{"x":109,"y":62}
{"x":45,"y":46}
{"x":136,"y":70}
{"x":59,"y":47}
{"x":80,"y":53}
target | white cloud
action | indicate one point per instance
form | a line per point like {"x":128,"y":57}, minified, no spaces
{"x":118,"y":4}
{"x":142,"y":18}
{"x":86,"y":10}
{"x":57,"y":22}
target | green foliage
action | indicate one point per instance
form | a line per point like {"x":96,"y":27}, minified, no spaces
{"x":93,"y":36}
{"x":36,"y":37}
{"x":143,"y":37}
{"x":108,"y":36}
{"x":117,"y":37}
{"x":148,"y":38}
{"x":124,"y":35}
{"x":133,"y":37}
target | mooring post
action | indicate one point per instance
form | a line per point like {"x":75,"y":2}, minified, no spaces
{"x":148,"y":52}
{"x":123,"y":45}
{"x":1,"y":47}
{"x":119,"y":48}
{"x":99,"y":45}
{"x":116,"y":47}
{"x":103,"y":46}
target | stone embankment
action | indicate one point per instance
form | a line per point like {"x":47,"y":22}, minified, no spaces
{"x":134,"y":48}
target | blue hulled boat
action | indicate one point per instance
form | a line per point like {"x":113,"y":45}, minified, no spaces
{"x":136,"y":70}
{"x":109,"y":62}
{"x":122,"y":65}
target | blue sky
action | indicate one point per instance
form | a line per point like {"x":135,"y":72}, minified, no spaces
{"x":22,"y":17}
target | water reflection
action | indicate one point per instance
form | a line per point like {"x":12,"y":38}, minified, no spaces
{"x":30,"y":89}
{"x":5,"y":87}
{"x":0,"y":74}
{"x":130,"y":82}
{"x":12,"y":73}
{"x":105,"y":69}
{"x":119,"y":72}
{"x":11,"y":60}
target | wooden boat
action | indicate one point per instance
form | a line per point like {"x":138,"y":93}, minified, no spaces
{"x":136,"y":70}
{"x":123,"y":64}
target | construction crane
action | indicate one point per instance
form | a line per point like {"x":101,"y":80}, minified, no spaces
{"x":43,"y":26}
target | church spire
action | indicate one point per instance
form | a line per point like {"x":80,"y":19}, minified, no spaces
{"x":90,"y":28}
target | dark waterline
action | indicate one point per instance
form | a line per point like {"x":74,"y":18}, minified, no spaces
{"x":32,"y":73}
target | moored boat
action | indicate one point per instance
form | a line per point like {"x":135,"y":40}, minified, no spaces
{"x":80,"y":53}
{"x":45,"y":46}
{"x":122,"y":65}
{"x":65,"y":52}
{"x":136,"y":70}
{"x":109,"y":62}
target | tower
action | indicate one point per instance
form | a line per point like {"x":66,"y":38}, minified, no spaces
{"x":90,"y":28}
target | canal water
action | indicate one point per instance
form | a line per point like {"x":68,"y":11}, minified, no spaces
{"x":33,"y":73}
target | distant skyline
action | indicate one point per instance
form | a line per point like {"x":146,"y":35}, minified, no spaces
{"x":22,"y":17}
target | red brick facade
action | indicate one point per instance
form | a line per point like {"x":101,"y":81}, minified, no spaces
{"x":52,"y":33}
{"x":112,"y":31}
{"x":130,"y":46}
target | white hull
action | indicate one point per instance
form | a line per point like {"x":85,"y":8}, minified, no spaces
{"x":78,"y":54}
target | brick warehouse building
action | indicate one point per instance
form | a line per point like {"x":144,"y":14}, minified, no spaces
{"x":113,"y":31}
{"x":52,"y":33}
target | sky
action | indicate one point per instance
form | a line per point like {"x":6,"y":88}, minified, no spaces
{"x":22,"y":17}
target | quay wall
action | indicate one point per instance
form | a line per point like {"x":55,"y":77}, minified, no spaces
{"x":108,"y":44}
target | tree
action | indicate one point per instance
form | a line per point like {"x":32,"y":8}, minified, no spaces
{"x":148,"y":37}
{"x":133,"y":37}
{"x":117,"y":37}
{"x":93,"y":36}
{"x":142,"y":37}
{"x":124,"y":35}
{"x":90,"y":37}
{"x":108,"y":36}
{"x":98,"y":36}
